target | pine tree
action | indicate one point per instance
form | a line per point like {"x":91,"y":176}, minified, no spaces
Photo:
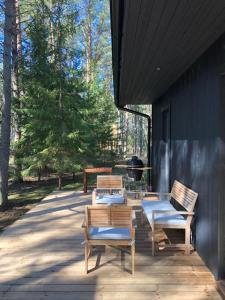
{"x":94,"y":34}
{"x":52,"y":124}
{"x":6,"y":103}
{"x":16,"y":86}
{"x":66,"y":121}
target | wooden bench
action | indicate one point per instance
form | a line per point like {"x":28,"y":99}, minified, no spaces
{"x":109,"y":190}
{"x":163,"y":214}
{"x":109,"y":226}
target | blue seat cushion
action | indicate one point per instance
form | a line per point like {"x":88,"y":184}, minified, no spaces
{"x":163,"y":219}
{"x":109,"y":233}
{"x":110,"y":199}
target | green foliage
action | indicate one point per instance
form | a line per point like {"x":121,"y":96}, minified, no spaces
{"x":52,"y":126}
{"x":103,"y":116}
{"x":64,"y":117}
{"x":65,"y":122}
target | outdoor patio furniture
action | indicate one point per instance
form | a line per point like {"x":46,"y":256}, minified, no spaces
{"x":164,"y":213}
{"x":109,"y":226}
{"x":109,"y":190}
{"x":93,"y":171}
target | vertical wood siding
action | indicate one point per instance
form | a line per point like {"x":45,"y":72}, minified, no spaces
{"x":197,"y":149}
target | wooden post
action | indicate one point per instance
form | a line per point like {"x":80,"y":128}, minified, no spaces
{"x":85,"y":182}
{"x":187,"y":240}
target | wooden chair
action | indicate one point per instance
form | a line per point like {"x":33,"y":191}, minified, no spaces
{"x":109,"y":190}
{"x":109,"y":226}
{"x":163,"y":214}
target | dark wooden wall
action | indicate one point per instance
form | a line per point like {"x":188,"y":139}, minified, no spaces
{"x":195,"y":153}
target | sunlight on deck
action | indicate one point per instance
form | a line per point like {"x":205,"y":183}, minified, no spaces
{"x":42,"y":258}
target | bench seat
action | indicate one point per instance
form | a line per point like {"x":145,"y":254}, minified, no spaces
{"x":109,"y":199}
{"x":150,"y":206}
{"x":162,"y":214}
{"x":109,"y":233}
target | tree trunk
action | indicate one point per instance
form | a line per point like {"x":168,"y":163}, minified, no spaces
{"x":60,"y":182}
{"x":39,"y":175}
{"x":126,"y":132}
{"x":89,"y":42}
{"x":16,"y":66}
{"x":74,"y":176}
{"x":141,"y":133}
{"x":51,"y":37}
{"x":89,"y":55}
{"x":16,"y":49}
{"x":135,"y":149}
{"x":59,"y":59}
{"x":6,"y":105}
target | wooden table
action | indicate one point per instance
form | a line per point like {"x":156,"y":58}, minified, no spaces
{"x":93,"y":171}
{"x":133,"y":167}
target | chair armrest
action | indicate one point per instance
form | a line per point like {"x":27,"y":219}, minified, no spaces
{"x":85,"y":230}
{"x":134,"y":220}
{"x":171,"y":213}
{"x":108,"y":188}
{"x":124,"y":194}
{"x":124,"y":191}
{"x":155,"y":194}
{"x":133,"y":234}
{"x":84,"y":224}
{"x":94,"y":194}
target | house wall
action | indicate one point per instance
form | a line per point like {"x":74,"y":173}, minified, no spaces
{"x":195,"y":151}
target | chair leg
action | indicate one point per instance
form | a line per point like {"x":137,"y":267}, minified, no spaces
{"x":187,"y":240}
{"x":132,"y":257}
{"x":89,"y":251}
{"x":86,"y":257}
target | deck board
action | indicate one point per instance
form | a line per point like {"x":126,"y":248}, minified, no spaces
{"x":41,"y":257}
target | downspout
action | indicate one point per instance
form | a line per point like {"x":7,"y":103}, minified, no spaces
{"x":116,"y":72}
{"x":123,"y":108}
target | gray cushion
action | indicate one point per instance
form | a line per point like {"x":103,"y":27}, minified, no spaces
{"x":109,"y":233}
{"x":110,"y":199}
{"x":163,"y":219}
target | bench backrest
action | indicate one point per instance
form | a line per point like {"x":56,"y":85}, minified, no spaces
{"x":184,"y":196}
{"x":109,"y":182}
{"x":108,"y":216}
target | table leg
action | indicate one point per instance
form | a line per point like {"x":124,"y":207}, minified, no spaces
{"x":85,"y":182}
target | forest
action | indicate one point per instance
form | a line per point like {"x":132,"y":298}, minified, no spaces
{"x":57,"y":103}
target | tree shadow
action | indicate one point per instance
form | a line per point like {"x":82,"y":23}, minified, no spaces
{"x":48,"y":261}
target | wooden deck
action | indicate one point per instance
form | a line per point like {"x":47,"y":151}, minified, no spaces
{"x":41,"y":257}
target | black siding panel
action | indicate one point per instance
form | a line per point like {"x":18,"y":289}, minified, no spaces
{"x":221,"y":215}
{"x":197,"y":149}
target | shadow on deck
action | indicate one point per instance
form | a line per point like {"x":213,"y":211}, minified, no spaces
{"x":42,"y":258}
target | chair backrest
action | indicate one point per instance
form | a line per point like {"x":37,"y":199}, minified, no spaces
{"x":184,"y":196}
{"x":109,"y":182}
{"x":108,"y":216}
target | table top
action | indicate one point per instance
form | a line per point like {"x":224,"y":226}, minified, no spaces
{"x":132,"y":168}
{"x":98,"y":170}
